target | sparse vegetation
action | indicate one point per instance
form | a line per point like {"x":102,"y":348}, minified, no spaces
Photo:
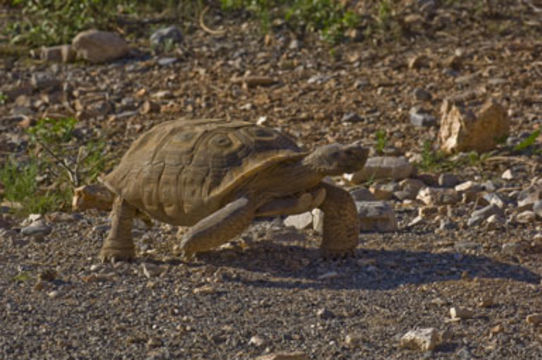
{"x":381,"y":141}
{"x":3,"y":98}
{"x":528,"y":142}
{"x":328,"y":17}
{"x":54,"y":166}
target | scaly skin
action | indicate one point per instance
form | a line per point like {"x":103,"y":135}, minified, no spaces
{"x":119,"y":244}
{"x":341,"y":223}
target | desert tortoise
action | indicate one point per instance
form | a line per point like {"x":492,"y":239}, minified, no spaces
{"x":218,"y":176}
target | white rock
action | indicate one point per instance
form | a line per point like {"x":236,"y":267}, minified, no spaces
{"x":299,"y":221}
{"x":382,"y":167}
{"x":318,"y":220}
{"x":526,"y":217}
{"x":507,"y":175}
{"x":438,"y":196}
{"x":99,"y":46}
{"x":421,"y":339}
{"x":376,"y":216}
{"x":461,"y":313}
{"x":462,"y":130}
{"x":257,"y":340}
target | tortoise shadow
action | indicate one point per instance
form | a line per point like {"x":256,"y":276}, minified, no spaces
{"x":290,"y":266}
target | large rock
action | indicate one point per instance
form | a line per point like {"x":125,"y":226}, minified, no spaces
{"x":382,"y":167}
{"x":376,"y":216}
{"x":462,"y":130}
{"x":99,"y":46}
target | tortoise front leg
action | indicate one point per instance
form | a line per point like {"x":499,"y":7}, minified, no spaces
{"x":341,"y":222}
{"x":218,"y":228}
{"x":119,"y":244}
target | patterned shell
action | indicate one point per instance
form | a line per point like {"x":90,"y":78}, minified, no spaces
{"x":181,"y":170}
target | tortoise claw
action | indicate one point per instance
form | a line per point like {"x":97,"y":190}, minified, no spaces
{"x":114,"y":254}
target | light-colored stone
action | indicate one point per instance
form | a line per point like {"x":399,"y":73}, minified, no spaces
{"x":512,"y":248}
{"x":497,"y":199}
{"x":438,"y":196}
{"x":257,"y":340}
{"x":383,"y":191}
{"x":495,"y":222}
{"x":37,"y":229}
{"x":382,"y":167}
{"x":99,"y":46}
{"x":376,"y":216}
{"x":482,"y":214}
{"x":353,"y":340}
{"x":298,"y":355}
{"x":468,"y":186}
{"x":507,"y":175}
{"x":318,"y":220}
{"x":532,"y":194}
{"x":421,"y":339}
{"x":299,"y":221}
{"x":411,"y":187}
{"x":526,"y":217}
{"x":462,"y":130}
{"x":460,"y":313}
{"x":537,"y":208}
{"x":169,"y":35}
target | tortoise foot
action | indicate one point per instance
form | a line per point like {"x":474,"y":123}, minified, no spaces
{"x":117,"y":254}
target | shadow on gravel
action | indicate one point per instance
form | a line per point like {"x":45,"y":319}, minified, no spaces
{"x":299,"y":267}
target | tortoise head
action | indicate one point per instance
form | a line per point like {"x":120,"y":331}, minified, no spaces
{"x":336,"y":159}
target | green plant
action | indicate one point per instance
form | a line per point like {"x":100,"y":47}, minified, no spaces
{"x":327,"y":17}
{"x":3,"y":98}
{"x":528,"y":141}
{"x":21,"y":187}
{"x":381,"y":141}
{"x":55,"y":165}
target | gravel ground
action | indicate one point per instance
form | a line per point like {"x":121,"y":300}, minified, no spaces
{"x":270,"y":291}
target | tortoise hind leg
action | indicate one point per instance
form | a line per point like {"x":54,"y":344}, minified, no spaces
{"x":341,"y":222}
{"x":218,"y":228}
{"x":119,"y":244}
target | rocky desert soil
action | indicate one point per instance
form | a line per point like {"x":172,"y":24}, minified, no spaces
{"x":475,"y":283}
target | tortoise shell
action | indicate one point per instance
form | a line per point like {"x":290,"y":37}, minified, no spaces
{"x":180,"y":171}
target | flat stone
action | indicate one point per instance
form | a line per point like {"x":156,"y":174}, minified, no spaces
{"x":168,"y":35}
{"x":460,"y":313}
{"x":527,"y":198}
{"x":299,"y":221}
{"x":478,"y":216}
{"x":421,"y":339}
{"x":418,"y":117}
{"x":376,"y":216}
{"x":526,"y":217}
{"x":318,"y":220}
{"x":438,"y":196}
{"x":362,"y":194}
{"x":495,"y":222}
{"x":448,"y":180}
{"x":99,"y":46}
{"x":537,"y":208}
{"x":382,"y":167}
{"x":37,"y":229}
{"x":497,"y":199}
